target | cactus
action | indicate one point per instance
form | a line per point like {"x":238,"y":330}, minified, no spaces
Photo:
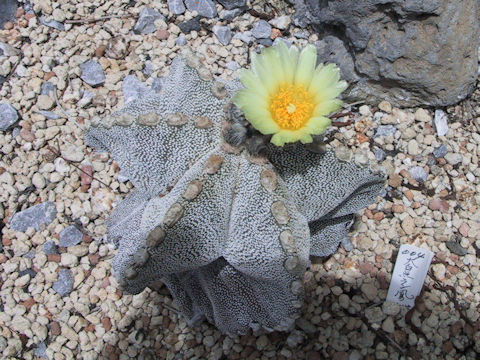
{"x":228,"y":230}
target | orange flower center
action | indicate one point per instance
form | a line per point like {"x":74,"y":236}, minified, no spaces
{"x":291,"y":106}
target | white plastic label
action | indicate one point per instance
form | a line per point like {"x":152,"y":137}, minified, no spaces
{"x":409,"y":274}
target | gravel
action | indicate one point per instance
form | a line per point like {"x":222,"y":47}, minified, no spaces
{"x":204,"y":8}
{"x":8,"y":116}
{"x":146,"y":21}
{"x":441,"y":122}
{"x":92,"y":73}
{"x":262,"y":30}
{"x":223,"y":33}
{"x":70,"y":236}
{"x":64,"y":303}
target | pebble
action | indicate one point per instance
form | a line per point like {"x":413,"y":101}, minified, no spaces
{"x":262,"y":30}
{"x":390,"y":308}
{"x":64,"y":285}
{"x":232,"y":4}
{"x":8,"y":116}
{"x":245,"y":36}
{"x":176,"y":6}
{"x":232,"y":65}
{"x":385,"y":106}
{"x":208,"y":341}
{"x":229,"y":15}
{"x":370,"y":291}
{"x":146,"y":21}
{"x":440,"y":151}
{"x":418,"y":173}
{"x":385,"y":130}
{"x":441,"y":122}
{"x":388,"y":325}
{"x":205,"y":8}
{"x":51,"y":23}
{"x":408,"y":225}
{"x":181,"y":40}
{"x":49,"y":114}
{"x":43,"y":213}
{"x":306,"y":326}
{"x":133,"y":89}
{"x":70,"y":236}
{"x":422,"y":115}
{"x":379,"y":154}
{"x":281,"y":22}
{"x":223,"y":34}
{"x":38,"y":180}
{"x":50,"y":248}
{"x":413,"y":148}
{"x":262,"y":342}
{"x":190,"y":25}
{"x":453,"y":158}
{"x":92,"y":73}
{"x":456,"y":248}
{"x":72,"y":153}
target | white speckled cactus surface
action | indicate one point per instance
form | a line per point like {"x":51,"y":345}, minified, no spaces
{"x":229,"y":232}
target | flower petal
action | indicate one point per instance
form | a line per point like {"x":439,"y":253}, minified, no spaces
{"x":306,"y":66}
{"x":325,"y":83}
{"x":318,"y":125}
{"x":252,"y":82}
{"x":327,"y":107}
{"x":288,"y":59}
{"x":256,"y":111}
{"x":264,"y":73}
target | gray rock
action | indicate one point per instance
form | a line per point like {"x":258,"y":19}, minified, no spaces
{"x":440,"y":151}
{"x":30,"y":254}
{"x":176,"y":7}
{"x":8,"y":116}
{"x":181,"y":40}
{"x":7,"y":11}
{"x":262,"y":30}
{"x":245,"y":36}
{"x":43,"y":213}
{"x":379,"y":154}
{"x":47,"y":88}
{"x":385,"y":130}
{"x":86,"y":99}
{"x":232,"y":65}
{"x":28,"y":271}
{"x":70,"y":236}
{"x":8,"y":50}
{"x":41,"y":350}
{"x":223,"y":34}
{"x":441,"y":122}
{"x":281,"y":22}
{"x":64,"y":285}
{"x":190,"y":25}
{"x":265,"y":42}
{"x":408,"y":52}
{"x":205,"y":8}
{"x":418,"y":173}
{"x":229,"y":15}
{"x":232,"y":4}
{"x":146,"y":21}
{"x":158,"y":84}
{"x":50,"y":248}
{"x":49,"y":114}
{"x":148,"y":68}
{"x":54,"y":24}
{"x":15,"y":132}
{"x":133,"y":88}
{"x":92,"y":73}
{"x":453,"y":158}
{"x":456,"y":248}
{"x":306,"y":326}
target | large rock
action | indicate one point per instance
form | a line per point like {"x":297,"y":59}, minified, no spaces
{"x":409,"y":52}
{"x":7,"y":11}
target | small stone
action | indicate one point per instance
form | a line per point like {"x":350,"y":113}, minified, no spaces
{"x":262,"y":342}
{"x":262,"y":30}
{"x":44,"y":102}
{"x":408,"y":225}
{"x":441,"y":122}
{"x":391,"y":308}
{"x":229,"y":15}
{"x":146,"y":21}
{"x":343,"y":153}
{"x":232,"y":4}
{"x":388,"y":326}
{"x":190,"y":25}
{"x":52,"y":23}
{"x":379,"y":154}
{"x":49,"y":114}
{"x":64,"y":285}
{"x":50,"y":248}
{"x":456,"y":248}
{"x":181,"y":40}
{"x":265,"y":42}
{"x":232,"y":65}
{"x":281,"y":22}
{"x":245,"y":36}
{"x":439,"y":271}
{"x":306,"y":326}
{"x":418,"y":173}
{"x":117,"y":48}
{"x":176,"y":7}
{"x":463,"y":229}
{"x":385,"y":106}
{"x":205,"y":8}
{"x":70,"y":236}
{"x":43,"y":213}
{"x":438,"y":204}
{"x":370,"y":291}
{"x":133,"y":89}
{"x":8,"y":116}
{"x":208,"y":341}
{"x":72,"y":153}
{"x":453,"y":158}
{"x":280,"y":212}
{"x":440,"y":151}
{"x":413,"y":148}
{"x":40,"y":350}
{"x":223,"y":34}
{"x":385,"y":130}
{"x":422,"y":115}
{"x":364,"y":110}
{"x":162,"y":34}
{"x":92,"y":73}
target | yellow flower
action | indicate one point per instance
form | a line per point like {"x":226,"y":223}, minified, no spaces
{"x":286,"y":95}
